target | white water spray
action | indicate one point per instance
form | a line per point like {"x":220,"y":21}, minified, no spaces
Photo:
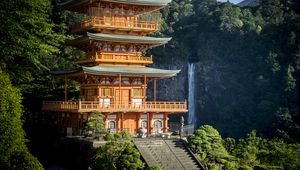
{"x":191,"y":97}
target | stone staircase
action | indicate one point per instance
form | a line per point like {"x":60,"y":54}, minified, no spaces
{"x":169,"y":154}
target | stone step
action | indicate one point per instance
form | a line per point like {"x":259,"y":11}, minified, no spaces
{"x":168,"y":154}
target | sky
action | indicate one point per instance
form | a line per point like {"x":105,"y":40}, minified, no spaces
{"x":233,"y":1}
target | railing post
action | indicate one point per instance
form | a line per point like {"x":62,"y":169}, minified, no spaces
{"x":79,"y":104}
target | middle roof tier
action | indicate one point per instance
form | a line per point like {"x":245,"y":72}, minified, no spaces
{"x":110,"y":70}
{"x":114,"y":42}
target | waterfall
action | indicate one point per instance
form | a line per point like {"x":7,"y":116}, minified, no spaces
{"x":191,"y":97}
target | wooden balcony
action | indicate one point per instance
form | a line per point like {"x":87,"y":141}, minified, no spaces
{"x":100,"y":23}
{"x":89,"y":106}
{"x":115,"y":57}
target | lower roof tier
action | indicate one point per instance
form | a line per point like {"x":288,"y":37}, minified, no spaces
{"x":111,"y":70}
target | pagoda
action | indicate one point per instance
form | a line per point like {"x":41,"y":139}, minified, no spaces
{"x":113,"y":73}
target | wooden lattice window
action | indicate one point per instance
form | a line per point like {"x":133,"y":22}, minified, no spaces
{"x":106,"y":92}
{"x":137,"y":92}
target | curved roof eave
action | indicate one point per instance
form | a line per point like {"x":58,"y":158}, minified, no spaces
{"x":127,"y":38}
{"x":152,"y":41}
{"x":70,"y":3}
{"x":123,"y":70}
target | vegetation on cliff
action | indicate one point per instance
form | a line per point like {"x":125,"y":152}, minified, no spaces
{"x":27,"y":44}
{"x":252,"y":152}
{"x":248,"y":61}
{"x":13,"y":151}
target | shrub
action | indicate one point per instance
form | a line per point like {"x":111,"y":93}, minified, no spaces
{"x":24,"y":161}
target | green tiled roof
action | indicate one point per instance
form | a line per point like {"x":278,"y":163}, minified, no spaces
{"x":120,"y":38}
{"x":143,"y":2}
{"x":127,"y":38}
{"x":137,"y":2}
{"x":123,"y":70}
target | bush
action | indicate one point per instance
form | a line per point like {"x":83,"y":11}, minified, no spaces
{"x":11,"y":132}
{"x":24,"y":161}
{"x":117,"y":155}
{"x":13,"y":151}
{"x":125,"y":135}
{"x":109,"y":137}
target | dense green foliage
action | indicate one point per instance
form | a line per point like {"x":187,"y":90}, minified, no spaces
{"x":250,"y":153}
{"x":27,"y":39}
{"x":13,"y":151}
{"x":118,"y":153}
{"x":27,"y":45}
{"x":247,"y":60}
{"x":95,"y":124}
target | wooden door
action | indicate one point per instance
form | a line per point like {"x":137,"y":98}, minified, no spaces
{"x":129,"y":122}
{"x":124,"y":96}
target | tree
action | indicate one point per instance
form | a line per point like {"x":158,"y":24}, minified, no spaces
{"x":95,"y":122}
{"x":27,"y":39}
{"x":208,"y":144}
{"x":130,"y":158}
{"x":118,"y":154}
{"x":12,"y":141}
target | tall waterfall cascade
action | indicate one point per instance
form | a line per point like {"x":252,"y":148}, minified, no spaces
{"x":191,"y":95}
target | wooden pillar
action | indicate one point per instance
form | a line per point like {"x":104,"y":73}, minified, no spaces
{"x":122,"y":119}
{"x":145,"y":85}
{"x":149,"y":127}
{"x":118,"y":122}
{"x":166,"y":128}
{"x":120,"y":81}
{"x":66,"y":89}
{"x":138,"y":120}
{"x":154,"y":93}
{"x":105,"y":120}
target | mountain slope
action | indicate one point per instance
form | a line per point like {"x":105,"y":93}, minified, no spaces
{"x":249,"y":3}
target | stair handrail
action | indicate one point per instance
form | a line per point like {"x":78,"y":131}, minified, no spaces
{"x":174,"y":154}
{"x":194,"y":156}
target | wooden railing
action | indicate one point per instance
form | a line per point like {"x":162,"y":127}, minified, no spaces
{"x":116,"y":57}
{"x":88,"y":106}
{"x":110,"y":22}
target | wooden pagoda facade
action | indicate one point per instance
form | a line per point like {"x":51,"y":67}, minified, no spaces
{"x":113,"y":74}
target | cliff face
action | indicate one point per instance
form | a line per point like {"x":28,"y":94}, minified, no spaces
{"x":170,"y":89}
{"x":207,"y":84}
{"x":220,"y":90}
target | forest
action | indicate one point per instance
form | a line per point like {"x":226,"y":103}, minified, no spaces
{"x":252,"y":54}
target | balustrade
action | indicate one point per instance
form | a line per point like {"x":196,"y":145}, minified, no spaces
{"x":123,"y":57}
{"x":86,"y":106}
{"x":115,"y":23}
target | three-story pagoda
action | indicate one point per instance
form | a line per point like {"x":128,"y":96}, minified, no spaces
{"x":113,"y":74}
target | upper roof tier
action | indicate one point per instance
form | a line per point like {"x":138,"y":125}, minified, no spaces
{"x":77,"y":4}
{"x":125,"y":39}
{"x":130,"y":71}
